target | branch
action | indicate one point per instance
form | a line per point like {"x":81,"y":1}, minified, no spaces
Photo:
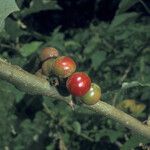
{"x":34,"y":85}
{"x":27,"y":82}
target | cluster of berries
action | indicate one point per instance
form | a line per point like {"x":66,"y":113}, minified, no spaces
{"x":77,"y":83}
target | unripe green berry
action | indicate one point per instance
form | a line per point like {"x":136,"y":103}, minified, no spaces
{"x":47,"y":66}
{"x":92,"y":96}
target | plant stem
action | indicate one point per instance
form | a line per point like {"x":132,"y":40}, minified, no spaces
{"x":34,"y":85}
{"x":123,"y":118}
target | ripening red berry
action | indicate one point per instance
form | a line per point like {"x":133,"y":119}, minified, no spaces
{"x":92,"y":96}
{"x":48,"y":52}
{"x":78,"y":83}
{"x":64,"y":66}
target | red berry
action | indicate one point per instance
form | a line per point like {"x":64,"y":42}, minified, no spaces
{"x":64,"y":66}
{"x":78,"y":83}
{"x":93,"y":95}
{"x":48,"y":52}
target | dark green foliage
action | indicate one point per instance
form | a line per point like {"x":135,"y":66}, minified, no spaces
{"x":116,"y":55}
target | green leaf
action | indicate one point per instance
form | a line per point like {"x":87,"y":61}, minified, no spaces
{"x":29,"y":48}
{"x":112,"y":134}
{"x":7,"y":87}
{"x":97,"y":58}
{"x":6,"y":7}
{"x":92,"y":44}
{"x":13,"y":29}
{"x":55,"y":37}
{"x":125,"y":5}
{"x":7,"y":116}
{"x":71,"y":45}
{"x":126,"y":85}
{"x":134,"y":142}
{"x":123,"y":18}
{"x":40,"y":5}
{"x":50,"y":147}
{"x":77,"y":127}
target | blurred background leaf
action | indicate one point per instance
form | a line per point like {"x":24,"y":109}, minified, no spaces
{"x":124,"y":5}
{"x":40,"y":5}
{"x":28,"y":49}
{"x":6,"y":7}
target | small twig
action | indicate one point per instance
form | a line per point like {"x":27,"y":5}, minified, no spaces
{"x":48,"y":111}
{"x":107,"y":44}
{"x":126,"y":73}
{"x":114,"y":99}
{"x":145,"y":6}
{"x":7,"y":46}
{"x":119,"y":144}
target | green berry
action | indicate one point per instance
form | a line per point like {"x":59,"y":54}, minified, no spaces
{"x":92,"y":96}
{"x":47,"y":66}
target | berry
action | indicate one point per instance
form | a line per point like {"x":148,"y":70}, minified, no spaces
{"x":48,"y":52}
{"x":92,"y":96}
{"x":47,"y":66}
{"x":78,"y":83}
{"x":64,"y":66}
